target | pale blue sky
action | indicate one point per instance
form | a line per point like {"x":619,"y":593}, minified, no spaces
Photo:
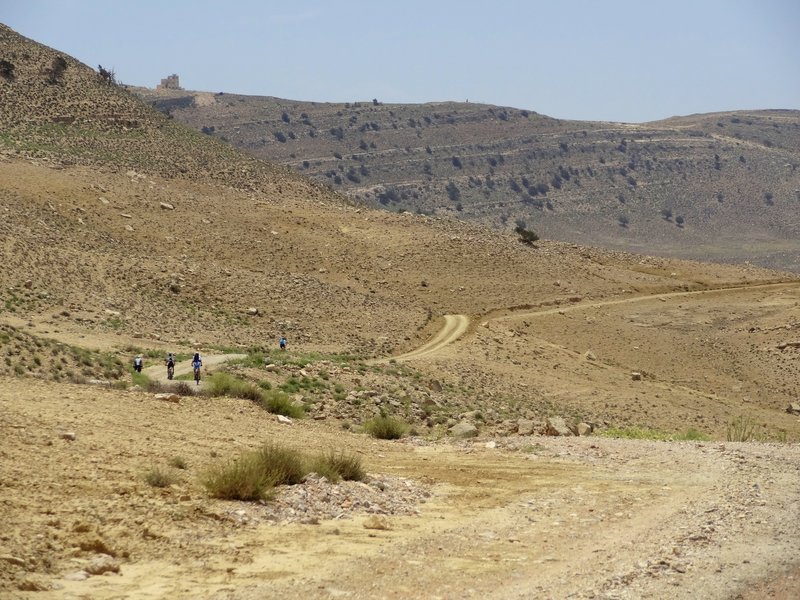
{"x":613,"y":60}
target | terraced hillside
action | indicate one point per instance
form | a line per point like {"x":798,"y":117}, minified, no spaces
{"x":723,"y":187}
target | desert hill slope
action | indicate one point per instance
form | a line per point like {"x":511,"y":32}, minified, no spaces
{"x":722,"y":187}
{"x":124,"y":232}
{"x":122,"y":225}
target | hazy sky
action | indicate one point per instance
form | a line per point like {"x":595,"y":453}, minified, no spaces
{"x":611,"y":60}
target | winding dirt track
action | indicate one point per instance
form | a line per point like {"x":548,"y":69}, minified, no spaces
{"x":456,"y":325}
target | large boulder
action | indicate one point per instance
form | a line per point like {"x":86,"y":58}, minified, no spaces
{"x":557,"y":426}
{"x":525,"y":427}
{"x":464,"y":430}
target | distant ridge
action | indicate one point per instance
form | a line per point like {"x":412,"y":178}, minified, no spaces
{"x":723,"y":186}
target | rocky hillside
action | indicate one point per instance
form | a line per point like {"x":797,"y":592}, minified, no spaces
{"x":722,"y":186}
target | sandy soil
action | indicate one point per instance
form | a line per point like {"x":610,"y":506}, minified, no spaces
{"x":508,"y":518}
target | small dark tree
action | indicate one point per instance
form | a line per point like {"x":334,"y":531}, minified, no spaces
{"x":457,"y":162}
{"x":7,"y":70}
{"x":108,"y":76}
{"x":666,"y":213}
{"x":623,"y":220}
{"x":453,"y":192}
{"x":375,"y":102}
{"x":526,"y":236}
{"x":280,"y":136}
{"x":679,"y":221}
{"x":769,"y":199}
{"x":285,"y":117}
{"x":56,"y":71}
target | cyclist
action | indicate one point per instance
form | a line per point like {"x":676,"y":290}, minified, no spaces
{"x":170,"y":362}
{"x":282,"y":343}
{"x":137,"y":363}
{"x":196,"y":364}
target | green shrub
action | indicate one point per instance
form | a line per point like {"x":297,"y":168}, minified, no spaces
{"x":385,"y":428}
{"x":178,"y":462}
{"x":283,"y":465}
{"x":160,"y":478}
{"x":644,"y":433}
{"x":224,"y":384}
{"x":635,"y":433}
{"x":219,"y":384}
{"x":346,"y":466}
{"x":278,"y":403}
{"x":242,"y":479}
{"x":325,"y":469}
{"x":692,"y":435}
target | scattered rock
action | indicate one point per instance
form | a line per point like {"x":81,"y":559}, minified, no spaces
{"x":102,"y":564}
{"x":68,"y":435}
{"x":34,"y":584}
{"x":12,"y":560}
{"x":252,"y":311}
{"x":77,"y":576}
{"x":284,"y":420}
{"x":589,"y":355}
{"x":168,"y":397}
{"x":793,"y":408}
{"x":166,"y":206}
{"x":525,"y":427}
{"x":785,"y":345}
{"x":464,"y":430}
{"x":584,"y":429}
{"x":636,"y":376}
{"x":435,"y":386}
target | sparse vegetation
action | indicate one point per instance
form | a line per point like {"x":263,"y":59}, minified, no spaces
{"x":55,"y":73}
{"x":160,"y":477}
{"x":385,"y":428}
{"x":254,"y":474}
{"x":526,"y":236}
{"x":278,"y":402}
{"x":645,"y":433}
{"x":242,"y":479}
{"x":741,"y":429}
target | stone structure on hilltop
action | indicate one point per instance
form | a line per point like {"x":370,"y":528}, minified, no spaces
{"x":169,"y":83}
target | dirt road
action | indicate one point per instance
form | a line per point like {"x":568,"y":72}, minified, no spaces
{"x":508,"y":518}
{"x":159,"y":372}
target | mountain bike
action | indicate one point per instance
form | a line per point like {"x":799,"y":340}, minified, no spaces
{"x":170,"y":371}
{"x":197,"y":375}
